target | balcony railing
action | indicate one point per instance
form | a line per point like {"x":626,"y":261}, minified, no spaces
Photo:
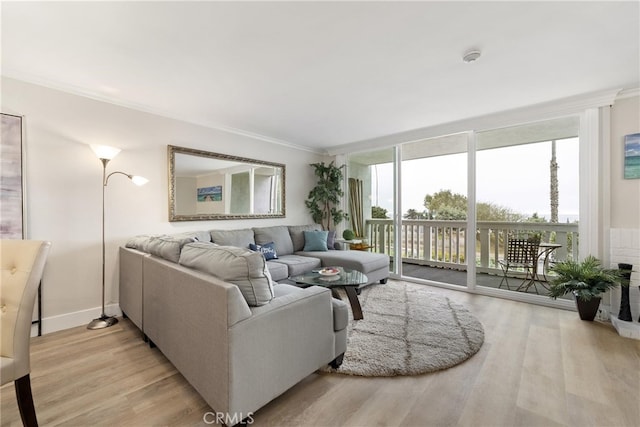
{"x":443,"y":243}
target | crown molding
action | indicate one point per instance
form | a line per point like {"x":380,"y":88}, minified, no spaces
{"x":74,"y":90}
{"x":628,"y":93}
{"x":532,"y":113}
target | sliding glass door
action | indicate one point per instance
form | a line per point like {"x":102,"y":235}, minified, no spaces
{"x":527,"y":187}
{"x":434,"y":209}
{"x":456,"y":211}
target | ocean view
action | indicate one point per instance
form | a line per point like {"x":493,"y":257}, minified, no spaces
{"x":632,"y":167}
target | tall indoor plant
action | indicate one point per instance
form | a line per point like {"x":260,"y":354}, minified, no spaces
{"x":324,"y":198}
{"x":586,"y":280}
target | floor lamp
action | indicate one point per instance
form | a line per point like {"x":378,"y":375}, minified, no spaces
{"x":105,"y":154}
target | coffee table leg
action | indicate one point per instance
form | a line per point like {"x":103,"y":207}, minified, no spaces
{"x":355,"y":302}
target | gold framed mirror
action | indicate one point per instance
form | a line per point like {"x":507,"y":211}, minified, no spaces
{"x":204,"y":185}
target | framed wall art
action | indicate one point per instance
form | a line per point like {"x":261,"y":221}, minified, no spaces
{"x":632,"y":156}
{"x":12,"y":212}
{"x":211,"y":194}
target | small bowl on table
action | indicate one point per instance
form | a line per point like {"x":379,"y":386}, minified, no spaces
{"x":329,"y":271}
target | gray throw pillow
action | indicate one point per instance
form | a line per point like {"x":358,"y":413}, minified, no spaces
{"x":240,"y":266}
{"x":140,"y":242}
{"x":167,"y":247}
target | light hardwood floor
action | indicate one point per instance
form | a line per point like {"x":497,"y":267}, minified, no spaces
{"x":538,"y":366}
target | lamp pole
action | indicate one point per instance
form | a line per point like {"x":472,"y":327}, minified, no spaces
{"x":105,"y":154}
{"x":103,"y":321}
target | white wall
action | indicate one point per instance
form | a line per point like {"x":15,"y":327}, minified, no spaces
{"x":625,"y":193}
{"x":625,"y":202}
{"x":64,"y":187}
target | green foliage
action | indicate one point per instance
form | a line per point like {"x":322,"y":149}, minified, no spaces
{"x":324,"y":198}
{"x":414,"y":214}
{"x":536,"y":218}
{"x":493,"y":212}
{"x":348,"y":235}
{"x":451,"y":213}
{"x":378,"y":212}
{"x":445,"y":200}
{"x":446,"y":205}
{"x":586,"y":279}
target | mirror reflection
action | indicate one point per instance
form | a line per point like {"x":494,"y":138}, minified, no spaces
{"x":205,"y":185}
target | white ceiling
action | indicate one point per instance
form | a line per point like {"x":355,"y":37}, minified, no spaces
{"x":322,"y":74}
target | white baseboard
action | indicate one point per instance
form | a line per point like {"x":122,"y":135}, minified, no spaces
{"x":71,"y":320}
{"x":626,"y":329}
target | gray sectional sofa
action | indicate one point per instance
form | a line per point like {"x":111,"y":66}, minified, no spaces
{"x":216,"y":311}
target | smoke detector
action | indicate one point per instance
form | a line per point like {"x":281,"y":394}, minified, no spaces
{"x":471,"y":56}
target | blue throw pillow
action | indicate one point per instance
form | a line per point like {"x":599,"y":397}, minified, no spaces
{"x":268,"y":250}
{"x":315,"y":241}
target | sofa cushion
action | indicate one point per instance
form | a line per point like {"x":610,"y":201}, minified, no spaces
{"x":353,"y":260}
{"x":241,"y":238}
{"x":278,"y":270}
{"x":140,"y":242}
{"x":338,"y":307}
{"x":297,"y":234}
{"x":268,"y":250}
{"x":278,"y":234}
{"x":167,"y":247}
{"x":315,"y":241}
{"x":298,"y":264}
{"x":240,"y":266}
{"x":198,"y":236}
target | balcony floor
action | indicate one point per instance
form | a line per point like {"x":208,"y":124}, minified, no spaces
{"x":456,"y":277}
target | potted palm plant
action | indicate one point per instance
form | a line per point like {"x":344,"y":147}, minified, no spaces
{"x":586,"y":280}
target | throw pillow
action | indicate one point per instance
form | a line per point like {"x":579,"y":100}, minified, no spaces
{"x":297,"y":234}
{"x":167,"y":247}
{"x":247,"y":270}
{"x":331,"y":240}
{"x":315,"y":241}
{"x":268,"y":250}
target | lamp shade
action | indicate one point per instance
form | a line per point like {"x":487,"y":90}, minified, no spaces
{"x":139,"y":180}
{"x":105,"y":152}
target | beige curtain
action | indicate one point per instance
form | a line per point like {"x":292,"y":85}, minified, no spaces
{"x":355,"y":206}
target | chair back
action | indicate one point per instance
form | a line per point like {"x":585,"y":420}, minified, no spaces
{"x":523,"y":251}
{"x":22,"y":263}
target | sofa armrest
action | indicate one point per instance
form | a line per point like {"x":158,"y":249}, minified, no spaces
{"x":282,"y":342}
{"x":130,"y":284}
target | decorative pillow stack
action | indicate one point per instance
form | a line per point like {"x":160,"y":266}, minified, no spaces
{"x":242,"y":267}
{"x":268,"y":250}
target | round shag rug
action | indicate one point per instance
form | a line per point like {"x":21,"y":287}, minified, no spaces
{"x":408,"y":330}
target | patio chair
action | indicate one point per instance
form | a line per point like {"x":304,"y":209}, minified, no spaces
{"x":521,"y":254}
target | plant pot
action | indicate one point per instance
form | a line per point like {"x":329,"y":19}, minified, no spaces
{"x":588,"y":309}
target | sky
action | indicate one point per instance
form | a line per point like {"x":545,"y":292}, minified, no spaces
{"x":516,"y":177}
{"x":632,"y":145}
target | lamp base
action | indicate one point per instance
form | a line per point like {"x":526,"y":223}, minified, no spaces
{"x":103,"y":321}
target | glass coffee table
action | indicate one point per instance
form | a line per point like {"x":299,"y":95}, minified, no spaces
{"x":349,"y":280}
